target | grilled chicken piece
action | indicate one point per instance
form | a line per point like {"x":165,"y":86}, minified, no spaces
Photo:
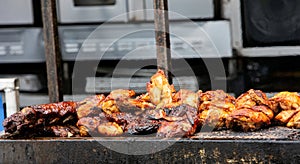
{"x":142,"y":102}
{"x":215,"y":107}
{"x":137,"y":105}
{"x":88,"y":125}
{"x":159,"y":89}
{"x":98,"y":125}
{"x":180,"y":121}
{"x":90,"y":106}
{"x":184,"y":96}
{"x":110,"y":129}
{"x":115,"y":99}
{"x":287,"y":105}
{"x":253,"y":111}
{"x":31,"y":121}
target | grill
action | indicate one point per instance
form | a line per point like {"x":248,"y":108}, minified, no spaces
{"x":81,"y":150}
{"x":273,"y":145}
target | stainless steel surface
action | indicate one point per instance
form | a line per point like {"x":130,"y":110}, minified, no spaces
{"x":28,"y":82}
{"x":210,"y":40}
{"x":191,"y":9}
{"x":19,"y":45}
{"x":10,"y":86}
{"x":69,"y":13}
{"x":14,"y":12}
{"x":27,"y":99}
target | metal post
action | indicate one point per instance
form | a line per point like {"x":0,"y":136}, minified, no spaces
{"x":52,"y":50}
{"x":10,"y":86}
{"x":162,"y":37}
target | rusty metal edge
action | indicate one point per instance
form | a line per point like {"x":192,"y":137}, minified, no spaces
{"x":162,"y":37}
{"x":52,"y":50}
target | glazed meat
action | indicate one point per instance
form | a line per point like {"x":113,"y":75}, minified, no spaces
{"x":215,"y":107}
{"x":287,"y":105}
{"x":31,"y":121}
{"x":253,"y":111}
{"x":180,"y":121}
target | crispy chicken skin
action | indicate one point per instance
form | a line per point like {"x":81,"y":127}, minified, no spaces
{"x":287,"y":105}
{"x":110,"y":129}
{"x":184,"y":96}
{"x":159,"y":89}
{"x":112,"y":102}
{"x":253,"y":111}
{"x":215,"y":107}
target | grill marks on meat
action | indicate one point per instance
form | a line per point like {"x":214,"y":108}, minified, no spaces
{"x":38,"y":120}
{"x":253,"y":111}
{"x":287,"y":105}
{"x":215,"y":108}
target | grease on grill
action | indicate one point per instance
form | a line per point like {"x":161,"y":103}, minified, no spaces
{"x":272,"y":133}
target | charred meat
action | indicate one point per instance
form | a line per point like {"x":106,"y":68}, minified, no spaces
{"x":33,"y":119}
{"x":180,"y":121}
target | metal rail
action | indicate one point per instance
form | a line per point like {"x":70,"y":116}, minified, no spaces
{"x":10,"y":86}
{"x":162,"y":37}
{"x":52,"y":50}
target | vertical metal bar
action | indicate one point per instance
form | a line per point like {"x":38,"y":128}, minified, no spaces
{"x":162,"y":37}
{"x":52,"y":50}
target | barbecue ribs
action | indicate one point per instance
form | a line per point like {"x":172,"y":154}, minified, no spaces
{"x":40,"y":120}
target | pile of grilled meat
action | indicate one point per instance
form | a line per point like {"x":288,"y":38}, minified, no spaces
{"x":161,"y":111}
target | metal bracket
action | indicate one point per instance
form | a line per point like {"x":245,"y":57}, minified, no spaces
{"x":10,"y":86}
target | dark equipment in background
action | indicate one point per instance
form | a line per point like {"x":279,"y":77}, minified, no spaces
{"x":271,"y":23}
